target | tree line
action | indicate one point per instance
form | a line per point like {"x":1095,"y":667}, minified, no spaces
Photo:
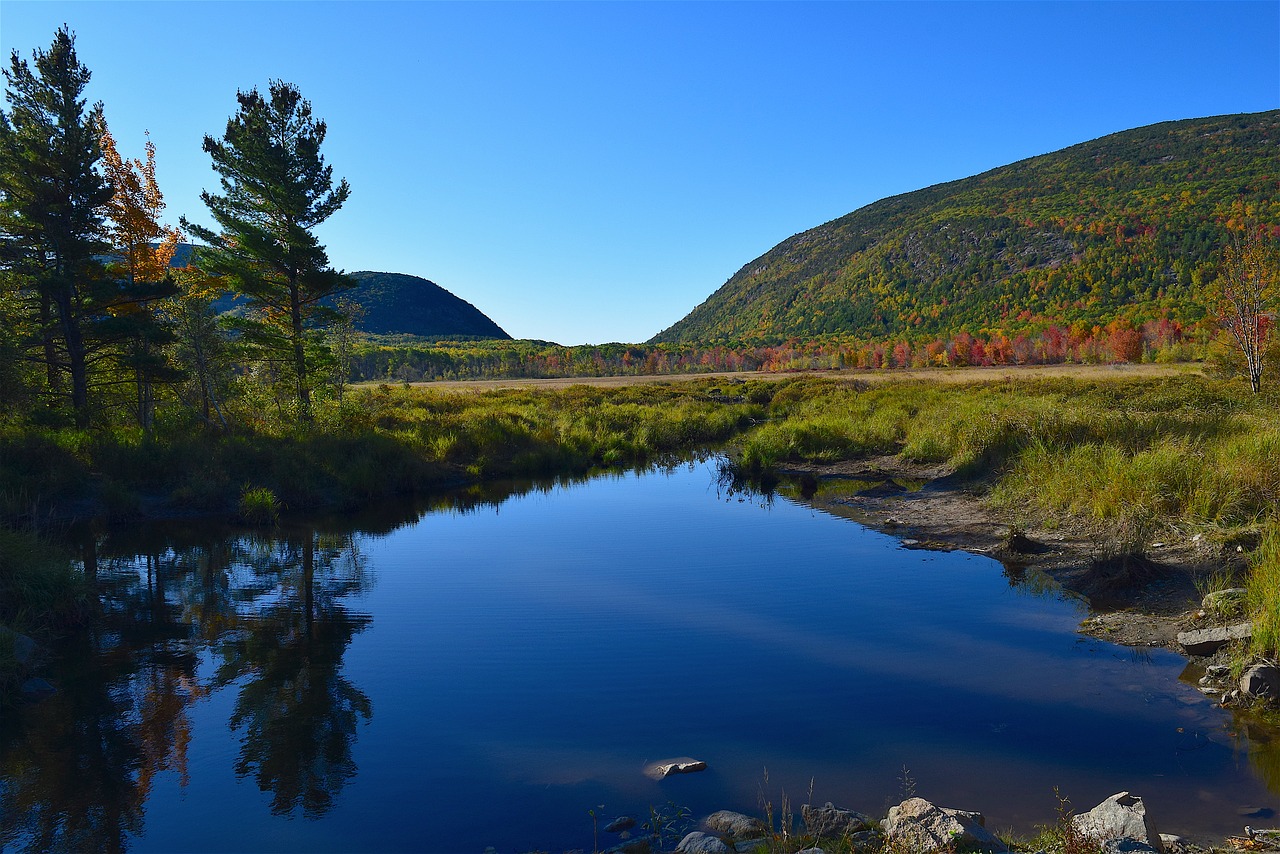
{"x":96,"y":327}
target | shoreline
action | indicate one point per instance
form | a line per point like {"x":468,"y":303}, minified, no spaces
{"x":1143,"y":603}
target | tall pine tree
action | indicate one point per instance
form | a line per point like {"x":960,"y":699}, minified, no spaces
{"x":52,"y":201}
{"x":276,"y":188}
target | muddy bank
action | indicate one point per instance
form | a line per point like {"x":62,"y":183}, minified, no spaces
{"x":1141,"y":602}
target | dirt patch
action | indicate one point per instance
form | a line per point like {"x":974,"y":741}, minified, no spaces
{"x":1135,"y":600}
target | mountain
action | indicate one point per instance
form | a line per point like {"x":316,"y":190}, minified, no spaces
{"x":395,"y":303}
{"x":1129,"y":226}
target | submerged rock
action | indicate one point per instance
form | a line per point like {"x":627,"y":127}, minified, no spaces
{"x":679,"y":765}
{"x":921,"y":827}
{"x":36,"y":688}
{"x":1209,"y":641}
{"x":621,"y":823}
{"x":832,"y":821}
{"x":1120,"y":817}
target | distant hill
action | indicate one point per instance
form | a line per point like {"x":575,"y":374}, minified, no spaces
{"x":1128,"y":226}
{"x":396,"y":303}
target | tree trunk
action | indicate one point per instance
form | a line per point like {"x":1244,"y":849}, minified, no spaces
{"x":299,"y":349}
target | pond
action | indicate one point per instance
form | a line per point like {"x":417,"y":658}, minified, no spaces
{"x":484,"y":669}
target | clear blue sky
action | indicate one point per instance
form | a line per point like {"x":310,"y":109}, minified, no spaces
{"x":589,"y":172}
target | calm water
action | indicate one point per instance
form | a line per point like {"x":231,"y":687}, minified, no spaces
{"x":486,"y":672}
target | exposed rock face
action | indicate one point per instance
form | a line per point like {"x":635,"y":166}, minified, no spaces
{"x":830,"y":821}
{"x":1209,"y":641}
{"x":679,"y":765}
{"x":923,"y":828}
{"x":1120,"y":817}
{"x":702,"y":843}
{"x":735,"y":824}
{"x":1261,"y":680}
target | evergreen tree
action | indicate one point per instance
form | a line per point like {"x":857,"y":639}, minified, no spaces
{"x":52,"y":202}
{"x":276,"y":188}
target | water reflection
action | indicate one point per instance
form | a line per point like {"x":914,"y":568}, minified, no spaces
{"x":188,"y":611}
{"x":76,"y":769}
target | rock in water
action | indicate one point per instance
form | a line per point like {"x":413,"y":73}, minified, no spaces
{"x":922,"y":828}
{"x":1209,"y":641}
{"x":621,"y":823}
{"x":831,"y":821}
{"x":702,"y":843}
{"x":679,"y":765}
{"x":1261,"y":680}
{"x":735,"y":824}
{"x":1121,"y":816}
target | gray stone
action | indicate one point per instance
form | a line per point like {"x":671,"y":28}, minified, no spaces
{"x":621,"y":823}
{"x":679,"y":765}
{"x":1121,"y":816}
{"x":1228,"y":601}
{"x":1125,"y":846}
{"x":1209,"y":641}
{"x":735,"y":824}
{"x":867,"y":840}
{"x":833,"y":822}
{"x":814,"y":850}
{"x":744,"y":845}
{"x":702,"y":843}
{"x":921,"y":827}
{"x":1261,"y":680}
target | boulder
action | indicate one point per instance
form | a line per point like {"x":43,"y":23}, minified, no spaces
{"x":1261,"y":680}
{"x":833,"y":822}
{"x":920,"y":827}
{"x":867,"y":840}
{"x":1125,"y":846}
{"x":1120,"y":817}
{"x":742,"y":846}
{"x":1209,"y":641}
{"x":679,"y":765}
{"x":735,"y":824}
{"x":701,"y":843}
{"x":36,"y":688}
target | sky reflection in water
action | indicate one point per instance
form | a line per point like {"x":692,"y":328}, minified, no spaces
{"x":485,"y":675}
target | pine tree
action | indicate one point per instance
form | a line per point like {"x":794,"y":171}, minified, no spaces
{"x":52,"y":201}
{"x":276,"y":188}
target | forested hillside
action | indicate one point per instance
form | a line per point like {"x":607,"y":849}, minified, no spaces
{"x":1128,"y":227}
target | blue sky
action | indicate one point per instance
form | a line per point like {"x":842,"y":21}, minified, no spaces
{"x":589,"y":172}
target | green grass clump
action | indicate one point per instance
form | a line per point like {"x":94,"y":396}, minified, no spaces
{"x":259,"y":506}
{"x":1263,"y":588}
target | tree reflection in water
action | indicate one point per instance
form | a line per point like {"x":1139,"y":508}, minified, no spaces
{"x":298,"y":712}
{"x":76,"y":769}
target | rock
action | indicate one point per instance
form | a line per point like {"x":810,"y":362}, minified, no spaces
{"x":1125,"y":846}
{"x":1174,"y":844}
{"x":1209,"y":641}
{"x":679,"y":765}
{"x":832,"y":822}
{"x":643,"y":845}
{"x":1229,"y":601}
{"x":867,"y":840}
{"x":922,"y":827}
{"x":621,"y":823}
{"x":744,"y":845}
{"x":701,"y":843}
{"x":1261,"y":680}
{"x":812,"y":851}
{"x":735,"y":824}
{"x":1120,"y":817}
{"x":1217,"y":671}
